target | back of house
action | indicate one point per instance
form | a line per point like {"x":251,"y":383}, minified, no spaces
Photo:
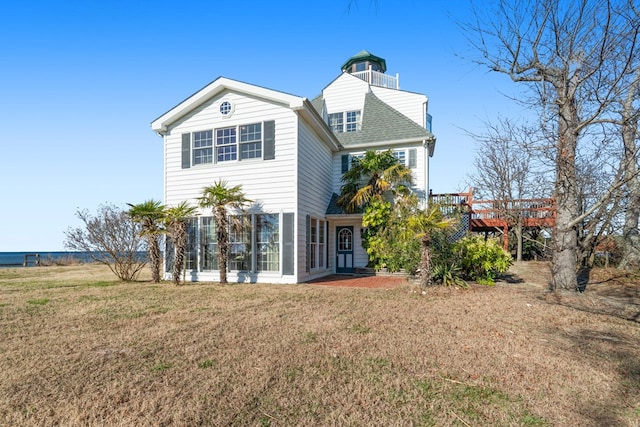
{"x":288,"y":154}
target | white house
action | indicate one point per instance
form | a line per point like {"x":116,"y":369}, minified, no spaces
{"x":289,"y":154}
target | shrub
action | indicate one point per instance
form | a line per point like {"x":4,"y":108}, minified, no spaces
{"x":482,"y":260}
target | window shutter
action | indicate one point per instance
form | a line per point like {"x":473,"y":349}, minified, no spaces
{"x":308,"y":245}
{"x":345,"y":163}
{"x":287,"y":244}
{"x":186,"y":150}
{"x":413,"y":158}
{"x":269,"y":140}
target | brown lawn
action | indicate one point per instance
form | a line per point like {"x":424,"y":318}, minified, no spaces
{"x":78,"y":348}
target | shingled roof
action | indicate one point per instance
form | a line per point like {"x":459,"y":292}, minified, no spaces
{"x":380,"y":123}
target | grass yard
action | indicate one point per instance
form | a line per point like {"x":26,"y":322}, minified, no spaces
{"x":78,"y":348}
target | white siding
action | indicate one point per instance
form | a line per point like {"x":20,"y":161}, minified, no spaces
{"x":410,"y":104}
{"x":314,"y":191}
{"x":420,"y":172}
{"x":346,"y":93}
{"x":268,"y":183}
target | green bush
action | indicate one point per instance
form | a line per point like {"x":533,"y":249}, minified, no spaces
{"x":482,"y":260}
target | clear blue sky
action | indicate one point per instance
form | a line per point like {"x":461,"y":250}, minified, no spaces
{"x":80,"y":82}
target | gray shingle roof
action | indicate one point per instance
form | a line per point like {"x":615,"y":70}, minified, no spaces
{"x":333,"y":208}
{"x":380,"y":123}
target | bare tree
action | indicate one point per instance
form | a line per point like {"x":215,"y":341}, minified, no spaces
{"x":111,"y":237}
{"x":575,"y":57}
{"x":504,"y":172}
{"x":629,"y":117}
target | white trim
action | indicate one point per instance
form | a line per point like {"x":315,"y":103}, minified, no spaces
{"x":162,"y":123}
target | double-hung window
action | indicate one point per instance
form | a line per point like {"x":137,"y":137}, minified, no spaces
{"x":251,"y":141}
{"x":353,"y":121}
{"x":401,"y":155}
{"x":336,"y":122}
{"x":249,"y":146}
{"x":226,"y":144}
{"x":202,"y":147}
{"x":345,"y":121}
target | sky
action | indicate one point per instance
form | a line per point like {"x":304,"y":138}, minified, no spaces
{"x":81,"y":81}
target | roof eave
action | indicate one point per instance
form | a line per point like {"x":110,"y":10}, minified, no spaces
{"x":162,"y":123}
{"x":309,"y":113}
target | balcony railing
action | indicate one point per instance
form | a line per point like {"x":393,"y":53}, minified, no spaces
{"x":377,"y":78}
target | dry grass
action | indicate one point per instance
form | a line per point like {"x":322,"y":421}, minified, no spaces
{"x":78,"y":348}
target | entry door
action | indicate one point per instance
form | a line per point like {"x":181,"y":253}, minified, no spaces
{"x":344,"y":249}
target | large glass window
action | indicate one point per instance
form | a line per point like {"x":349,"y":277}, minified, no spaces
{"x":251,"y":141}
{"x":202,"y":147}
{"x":401,"y":155}
{"x":240,"y":243}
{"x":208,"y":244}
{"x":254,"y":244}
{"x":317,"y":240}
{"x":267,"y":242}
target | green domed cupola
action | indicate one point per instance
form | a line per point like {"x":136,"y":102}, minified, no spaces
{"x":364,"y":61}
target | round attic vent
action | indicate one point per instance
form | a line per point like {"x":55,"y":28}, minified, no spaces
{"x":226,"y":108}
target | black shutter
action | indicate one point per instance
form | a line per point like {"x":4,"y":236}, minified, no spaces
{"x":308,"y":245}
{"x":186,"y":150}
{"x":345,"y":163}
{"x":269,"y":140}
{"x":413,"y":158}
{"x":288,"y":234}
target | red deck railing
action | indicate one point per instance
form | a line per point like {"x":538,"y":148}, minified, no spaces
{"x":492,"y":215}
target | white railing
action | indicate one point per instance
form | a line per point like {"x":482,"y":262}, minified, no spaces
{"x":377,"y":78}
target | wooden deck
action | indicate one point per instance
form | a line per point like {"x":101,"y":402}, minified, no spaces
{"x":498,"y":215}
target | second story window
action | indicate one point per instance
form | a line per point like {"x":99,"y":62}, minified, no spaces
{"x":202,"y":147}
{"x":345,"y":121}
{"x":226,"y":147}
{"x":336,"y":122}
{"x":251,"y":141}
{"x":353,"y":121}
{"x":229,"y":144}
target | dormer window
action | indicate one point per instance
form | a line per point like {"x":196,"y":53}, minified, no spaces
{"x":345,"y":121}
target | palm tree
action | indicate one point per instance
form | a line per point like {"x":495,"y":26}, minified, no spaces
{"x":150,"y":215}
{"x":423,"y":223}
{"x":373,"y":176}
{"x":176,"y":222}
{"x":219,"y":197}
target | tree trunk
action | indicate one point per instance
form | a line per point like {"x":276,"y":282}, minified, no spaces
{"x":565,"y":239}
{"x":223,"y":242}
{"x":155,"y":258}
{"x":631,"y":236}
{"x":180,"y":240}
{"x":425,"y":261}
{"x":518,"y":231}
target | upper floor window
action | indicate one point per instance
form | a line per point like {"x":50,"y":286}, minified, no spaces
{"x":346,"y":121}
{"x":226,"y":144}
{"x":353,"y":121}
{"x":202,"y":147}
{"x":401,"y":155}
{"x":251,"y":141}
